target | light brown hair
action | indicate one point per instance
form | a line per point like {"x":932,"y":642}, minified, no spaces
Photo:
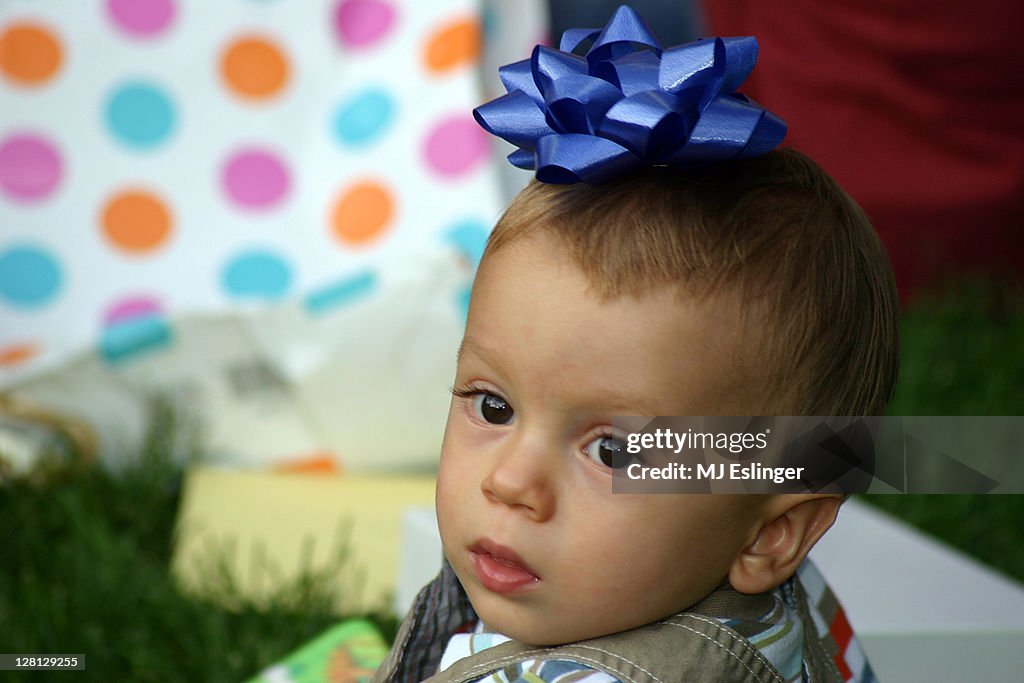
{"x":797,"y":248}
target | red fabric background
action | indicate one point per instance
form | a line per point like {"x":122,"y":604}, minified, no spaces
{"x":916,"y":107}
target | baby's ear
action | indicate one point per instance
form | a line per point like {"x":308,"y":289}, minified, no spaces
{"x":796,"y":522}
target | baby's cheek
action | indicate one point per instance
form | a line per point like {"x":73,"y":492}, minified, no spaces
{"x":447,"y":491}
{"x":446,"y":498}
{"x":468,"y":442}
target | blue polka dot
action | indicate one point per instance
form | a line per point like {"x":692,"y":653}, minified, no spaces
{"x":29,"y":277}
{"x":348,"y":290}
{"x":140,"y":115}
{"x":257,"y":275}
{"x":132,"y":338}
{"x":364,"y":118}
{"x":462,"y":302}
{"x":469,"y":237}
{"x":489,"y":21}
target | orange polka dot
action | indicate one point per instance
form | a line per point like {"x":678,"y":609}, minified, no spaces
{"x":453,"y":45}
{"x":362,"y":213}
{"x":136,"y":221}
{"x":16,"y":354}
{"x":254,"y":68}
{"x":29,"y":54}
{"x":317,"y":463}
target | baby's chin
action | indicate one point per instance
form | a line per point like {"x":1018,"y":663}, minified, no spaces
{"x":542,"y":626}
{"x":540,"y":635}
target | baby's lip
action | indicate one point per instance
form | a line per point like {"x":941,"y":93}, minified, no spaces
{"x":502,"y":554}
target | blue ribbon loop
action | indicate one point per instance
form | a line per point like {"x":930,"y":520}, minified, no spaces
{"x":629,"y":103}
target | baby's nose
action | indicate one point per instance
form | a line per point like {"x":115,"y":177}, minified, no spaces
{"x":523,"y":478}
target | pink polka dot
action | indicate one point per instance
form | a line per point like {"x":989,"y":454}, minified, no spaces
{"x":127,"y":309}
{"x":30,"y":167}
{"x":456,"y":146}
{"x":255,"y":179}
{"x":360,"y":23}
{"x":141,"y":18}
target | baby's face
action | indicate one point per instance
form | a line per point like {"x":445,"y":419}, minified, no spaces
{"x":545,"y":550}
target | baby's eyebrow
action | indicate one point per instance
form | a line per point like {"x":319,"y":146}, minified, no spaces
{"x":626,"y":406}
{"x":468,"y":345}
{"x":603,"y":398}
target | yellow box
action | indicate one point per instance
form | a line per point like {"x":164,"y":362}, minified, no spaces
{"x":268,"y":529}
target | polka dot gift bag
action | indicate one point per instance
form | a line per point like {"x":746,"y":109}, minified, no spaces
{"x":175,"y":173}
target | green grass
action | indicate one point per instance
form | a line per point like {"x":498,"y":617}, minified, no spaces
{"x":963,"y":354}
{"x":84,"y":556}
{"x":84,"y":553}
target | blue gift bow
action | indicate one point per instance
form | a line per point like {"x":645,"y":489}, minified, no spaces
{"x":628,"y":103}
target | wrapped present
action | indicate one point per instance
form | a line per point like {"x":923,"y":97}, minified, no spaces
{"x":347,"y":653}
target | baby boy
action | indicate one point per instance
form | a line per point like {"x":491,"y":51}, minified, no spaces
{"x":747,"y":286}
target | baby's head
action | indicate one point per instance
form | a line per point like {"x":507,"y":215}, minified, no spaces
{"x":753,"y":287}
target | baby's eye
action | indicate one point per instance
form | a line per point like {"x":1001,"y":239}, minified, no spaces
{"x":608,"y":451}
{"x":493,"y":409}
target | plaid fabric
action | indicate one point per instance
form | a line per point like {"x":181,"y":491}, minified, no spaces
{"x":441,"y":609}
{"x":778,"y":633}
{"x":834,"y":630}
